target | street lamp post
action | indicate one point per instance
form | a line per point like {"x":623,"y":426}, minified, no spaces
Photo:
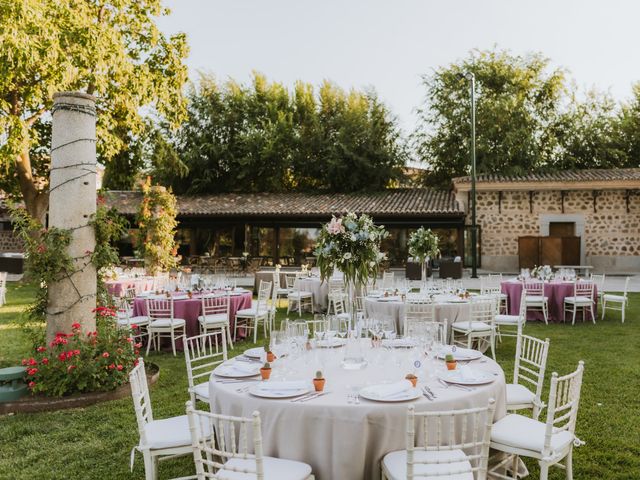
{"x":472,"y":151}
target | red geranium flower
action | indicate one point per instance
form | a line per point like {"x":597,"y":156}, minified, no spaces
{"x":41,"y":349}
{"x":75,"y":326}
{"x":62,"y":357}
{"x":112,"y":366}
{"x":119,"y":367}
{"x":45,"y":361}
{"x":76,"y":352}
{"x":105,"y":354}
{"x":32,"y":384}
{"x":24,"y":361}
{"x":32,"y":371}
{"x":32,"y":361}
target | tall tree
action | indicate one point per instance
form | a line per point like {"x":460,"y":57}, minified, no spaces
{"x":629,"y":131}
{"x":517,"y":109}
{"x":111,"y":49}
{"x":262,"y":137}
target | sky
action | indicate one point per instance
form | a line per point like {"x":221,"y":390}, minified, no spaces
{"x":389,"y":44}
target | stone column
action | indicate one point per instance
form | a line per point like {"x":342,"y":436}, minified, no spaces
{"x":72,"y":202}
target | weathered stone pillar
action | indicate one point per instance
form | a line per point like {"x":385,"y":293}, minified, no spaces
{"x":72,"y":201}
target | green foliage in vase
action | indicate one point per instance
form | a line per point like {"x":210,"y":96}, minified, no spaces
{"x":352,"y":245}
{"x":157,"y":229}
{"x":423,"y":243}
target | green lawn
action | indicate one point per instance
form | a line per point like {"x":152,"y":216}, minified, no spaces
{"x":94,"y":442}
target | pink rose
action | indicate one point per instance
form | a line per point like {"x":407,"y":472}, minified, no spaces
{"x":335,"y":226}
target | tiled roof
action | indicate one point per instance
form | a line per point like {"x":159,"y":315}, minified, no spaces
{"x":592,"y":175}
{"x":402,"y":201}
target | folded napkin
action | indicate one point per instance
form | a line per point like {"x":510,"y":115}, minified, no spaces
{"x":282,"y":385}
{"x":459,"y":354}
{"x":392,"y":389}
{"x":239,"y":367}
{"x":399,"y":342}
{"x":466,"y":374}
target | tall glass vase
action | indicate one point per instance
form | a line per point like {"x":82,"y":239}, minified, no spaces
{"x":353,"y":352}
{"x":423,"y":276}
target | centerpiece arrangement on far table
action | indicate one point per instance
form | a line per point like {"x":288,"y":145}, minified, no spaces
{"x":423,"y":246}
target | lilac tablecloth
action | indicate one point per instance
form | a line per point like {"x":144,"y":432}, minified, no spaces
{"x":118,"y":287}
{"x":190,"y":309}
{"x":555,"y":291}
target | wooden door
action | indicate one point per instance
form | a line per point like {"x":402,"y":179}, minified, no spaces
{"x":562,"y":229}
{"x":528,"y":252}
{"x":570,"y":251}
{"x":551,"y":251}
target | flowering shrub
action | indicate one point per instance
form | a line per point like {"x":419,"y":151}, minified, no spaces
{"x":77,"y":363}
{"x":352,"y":245}
{"x":423,"y":243}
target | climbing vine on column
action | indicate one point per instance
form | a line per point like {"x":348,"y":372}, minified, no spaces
{"x":157,"y":229}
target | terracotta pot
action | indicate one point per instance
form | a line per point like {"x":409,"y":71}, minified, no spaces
{"x":452,"y":365}
{"x":318,"y":384}
{"x":413,"y":379}
{"x":270,"y":357}
{"x":265,"y":373}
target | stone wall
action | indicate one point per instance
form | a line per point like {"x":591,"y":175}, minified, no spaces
{"x":610,"y":235}
{"x":9,"y":242}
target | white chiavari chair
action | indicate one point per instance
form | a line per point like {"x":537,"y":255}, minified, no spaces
{"x":159,"y":439}
{"x":202,"y":355}
{"x":616,"y":302}
{"x":250,"y":318}
{"x":163,"y":323}
{"x":418,"y":311}
{"x":528,"y":374}
{"x":535,"y":298}
{"x":548,"y":442}
{"x":214,"y":316}
{"x":509,"y":322}
{"x":454,"y":446}
{"x":225,"y":454}
{"x":480,"y":328}
{"x":582,"y":299}
{"x":491,"y":285}
{"x":298,"y":298}
{"x":598,"y":281}
{"x":278,"y":291}
{"x":388,"y":281}
{"x":336,"y":293}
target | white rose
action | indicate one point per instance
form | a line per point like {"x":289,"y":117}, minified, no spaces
{"x":346,"y":256}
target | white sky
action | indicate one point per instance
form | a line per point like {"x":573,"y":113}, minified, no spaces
{"x":389,"y":44}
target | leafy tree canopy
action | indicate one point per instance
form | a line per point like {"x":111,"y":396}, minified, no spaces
{"x":111,"y":49}
{"x":263,"y":137}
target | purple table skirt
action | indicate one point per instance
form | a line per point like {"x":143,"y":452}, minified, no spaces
{"x":118,"y":287}
{"x":190,"y":309}
{"x":555,"y":291}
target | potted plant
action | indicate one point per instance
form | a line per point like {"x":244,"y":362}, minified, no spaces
{"x":450,"y":361}
{"x":265,"y":371}
{"x":412,"y":378}
{"x":270,"y":356}
{"x":318,"y":382}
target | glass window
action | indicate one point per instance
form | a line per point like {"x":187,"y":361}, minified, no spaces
{"x":263,"y":243}
{"x":296,"y":244}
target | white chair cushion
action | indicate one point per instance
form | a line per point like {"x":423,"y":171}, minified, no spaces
{"x":274,"y":469}
{"x":614,"y":298}
{"x":524,"y":433}
{"x":251,"y":312}
{"x":167,"y":322}
{"x":141,"y":321}
{"x":216,"y":318}
{"x":396,"y":465}
{"x":519,"y":395}
{"x":201,"y":390}
{"x":282,"y":291}
{"x":169,"y":433}
{"x":343,"y":316}
{"x":580,"y":300}
{"x":471,"y":326}
{"x":300,"y":294}
{"x":535,"y":299}
{"x":507,"y":319}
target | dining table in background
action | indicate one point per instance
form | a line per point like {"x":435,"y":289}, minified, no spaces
{"x":555,"y":290}
{"x":120,"y":285}
{"x":348,"y":440}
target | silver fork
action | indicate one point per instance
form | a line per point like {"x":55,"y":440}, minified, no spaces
{"x":302,"y":397}
{"x":426,"y":394}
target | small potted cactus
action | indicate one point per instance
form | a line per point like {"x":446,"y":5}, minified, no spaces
{"x":270,"y":356}
{"x":450,"y":361}
{"x":318,"y":382}
{"x":412,"y":378}
{"x":265,"y":371}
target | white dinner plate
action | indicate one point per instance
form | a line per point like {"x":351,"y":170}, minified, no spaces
{"x":255,"y":352}
{"x":331,"y":343}
{"x":389,"y":299}
{"x":257,"y":392}
{"x":370,"y":394}
{"x":478,"y":377}
{"x":226,"y":370}
{"x":461,"y":354}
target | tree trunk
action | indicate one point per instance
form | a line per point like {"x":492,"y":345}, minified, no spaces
{"x":36,"y":201}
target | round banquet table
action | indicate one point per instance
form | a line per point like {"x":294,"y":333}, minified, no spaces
{"x":448,"y":308}
{"x":555,"y":291}
{"x":190,"y":309}
{"x":118,"y":287}
{"x":342,"y":440}
{"x":320,"y":290}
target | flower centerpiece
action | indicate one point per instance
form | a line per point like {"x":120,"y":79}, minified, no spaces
{"x":350,"y":244}
{"x":543,"y":272}
{"x":423,"y":245}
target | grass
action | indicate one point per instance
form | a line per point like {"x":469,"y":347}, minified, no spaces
{"x":94,"y":442}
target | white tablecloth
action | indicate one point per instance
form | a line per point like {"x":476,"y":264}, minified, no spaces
{"x":341,"y":440}
{"x":452,"y":312}
{"x":319,"y":289}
